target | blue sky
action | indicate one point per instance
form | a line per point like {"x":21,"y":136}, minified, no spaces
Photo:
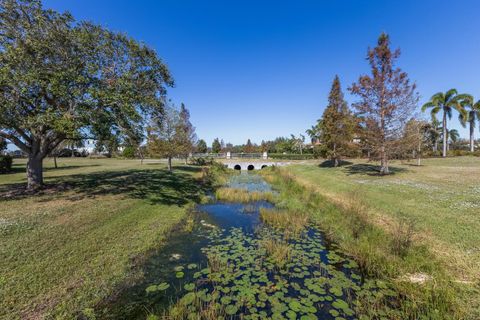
{"x":262,"y":69}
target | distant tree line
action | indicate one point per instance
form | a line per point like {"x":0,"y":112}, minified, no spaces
{"x":285,"y":145}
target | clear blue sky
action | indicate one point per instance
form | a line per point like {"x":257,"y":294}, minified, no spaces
{"x":262,"y":69}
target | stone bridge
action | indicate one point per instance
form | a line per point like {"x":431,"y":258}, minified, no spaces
{"x":253,"y":165}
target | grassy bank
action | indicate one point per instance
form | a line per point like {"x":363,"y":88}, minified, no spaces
{"x":69,"y":247}
{"x":442,"y":197}
{"x":242,"y":195}
{"x":387,"y":245}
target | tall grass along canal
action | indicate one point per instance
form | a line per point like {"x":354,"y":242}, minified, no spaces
{"x":246,"y":259}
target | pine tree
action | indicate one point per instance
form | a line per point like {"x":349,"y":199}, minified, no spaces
{"x":337,"y":125}
{"x":216,"y":146}
{"x":249,"y":147}
{"x":202,"y":146}
{"x":185,"y":133}
{"x":387,"y":101}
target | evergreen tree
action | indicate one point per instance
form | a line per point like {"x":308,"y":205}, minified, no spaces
{"x":185,"y":133}
{"x":202,"y":146}
{"x":387,"y":100}
{"x":216,"y":146}
{"x":249,"y":148}
{"x":337,"y":125}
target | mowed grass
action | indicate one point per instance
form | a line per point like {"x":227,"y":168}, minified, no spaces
{"x":441,"y":198}
{"x":85,"y":237}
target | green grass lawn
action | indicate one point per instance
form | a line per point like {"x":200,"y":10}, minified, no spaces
{"x":68,"y":248}
{"x":442,"y":197}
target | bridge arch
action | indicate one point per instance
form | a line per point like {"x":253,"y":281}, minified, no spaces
{"x":264,"y":166}
{"x":250,"y":167}
{"x":237,"y":167}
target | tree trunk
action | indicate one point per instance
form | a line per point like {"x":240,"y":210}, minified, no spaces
{"x":419,"y":153}
{"x":34,"y":172}
{"x":55,"y":162}
{"x":435,"y":145}
{"x":472,"y":139}
{"x":444,"y":121}
{"x":383,"y":161}
{"x":335,"y":158}
{"x":170,"y":164}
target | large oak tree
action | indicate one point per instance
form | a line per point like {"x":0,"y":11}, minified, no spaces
{"x":61,"y":79}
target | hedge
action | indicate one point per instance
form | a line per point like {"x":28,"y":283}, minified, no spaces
{"x":281,"y":156}
{"x":5,"y":164}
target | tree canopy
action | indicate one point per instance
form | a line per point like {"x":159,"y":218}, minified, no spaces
{"x":201,"y":146}
{"x":216,"y":146}
{"x":163,"y":134}
{"x":445,"y":103}
{"x":62,"y":79}
{"x":337,"y":126}
{"x":387,"y":100}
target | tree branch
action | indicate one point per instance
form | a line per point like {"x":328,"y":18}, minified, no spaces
{"x":23,"y":134}
{"x":22,"y":146}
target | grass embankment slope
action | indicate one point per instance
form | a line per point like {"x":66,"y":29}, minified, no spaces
{"x":71,"y":246}
{"x":441,"y":197}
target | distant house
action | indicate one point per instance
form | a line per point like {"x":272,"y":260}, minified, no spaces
{"x":18,"y":154}
{"x":88,"y":146}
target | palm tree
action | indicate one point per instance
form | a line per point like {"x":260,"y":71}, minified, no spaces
{"x":471,"y":116}
{"x":452,"y":135}
{"x":446,"y":102}
{"x":314,"y":133}
{"x":434,"y":132}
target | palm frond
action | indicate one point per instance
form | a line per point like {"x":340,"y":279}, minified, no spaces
{"x":450,"y":94}
{"x":465,"y":99}
{"x":435,"y":111}
{"x":463,"y":119}
{"x":427,"y":105}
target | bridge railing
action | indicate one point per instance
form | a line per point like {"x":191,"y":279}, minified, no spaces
{"x":246,"y":155}
{"x":231,"y":155}
{"x":210,"y":155}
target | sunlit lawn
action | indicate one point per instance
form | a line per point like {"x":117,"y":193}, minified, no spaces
{"x":69,"y":248}
{"x":442,"y":197}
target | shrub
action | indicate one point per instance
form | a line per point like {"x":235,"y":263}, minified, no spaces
{"x":5,"y":164}
{"x":202,"y":161}
{"x":129,"y":152}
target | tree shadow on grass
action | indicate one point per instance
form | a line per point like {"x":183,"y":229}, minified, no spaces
{"x":369,"y":169}
{"x":158,"y":186}
{"x":21,"y":168}
{"x":331,"y":164}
